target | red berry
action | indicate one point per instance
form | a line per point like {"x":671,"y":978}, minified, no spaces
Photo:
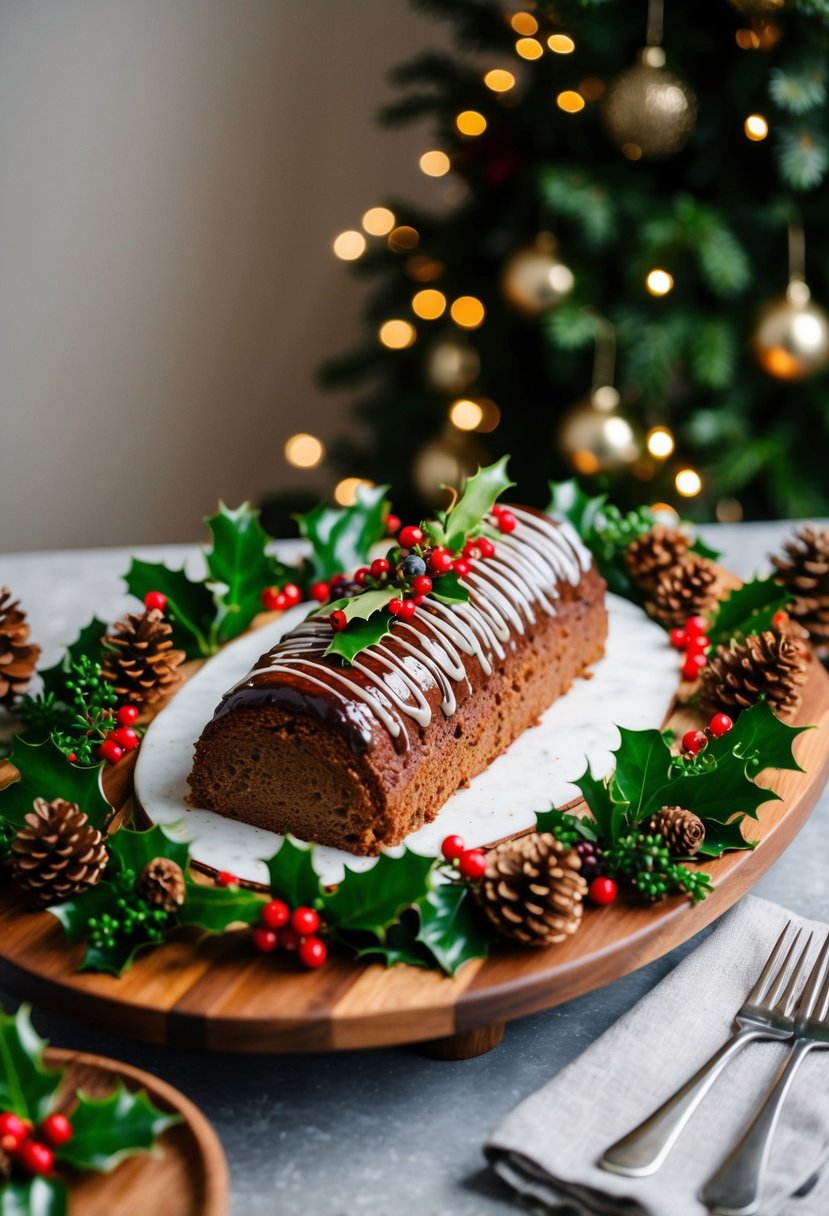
{"x":72,"y":757}
{"x":36,"y":1158}
{"x":452,"y":847}
{"x":392,"y":524}
{"x":110,"y":751}
{"x":486,"y":547}
{"x":407,"y":610}
{"x":56,"y":1130}
{"x":498,"y":509}
{"x":679,"y":639}
{"x":507,"y":521}
{"x":694,"y":741}
{"x":273,"y":599}
{"x":422,"y":584}
{"x":695,"y":626}
{"x":13,"y":1131}
{"x":127,"y":715}
{"x":275,"y":914}
{"x":293,"y":594}
{"x":360,"y":575}
{"x":410,"y":536}
{"x":395,"y":607}
{"x":225,"y":879}
{"x":127,"y":738}
{"x":472,"y":863}
{"x":265,"y":940}
{"x":440,"y":561}
{"x":693,"y":665}
{"x":289,"y":939}
{"x":462,"y":566}
{"x":698,"y":645}
{"x":155,"y":599}
{"x":305,"y":921}
{"x":379,"y":567}
{"x":719,"y":725}
{"x":603,"y":890}
{"x":338,"y":620}
{"x":779,"y":620}
{"x":319,"y":592}
{"x":418,"y":599}
{"x":312,"y":952}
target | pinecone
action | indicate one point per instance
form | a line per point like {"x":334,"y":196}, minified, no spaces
{"x":682,"y":831}
{"x":532,"y":890}
{"x":57,"y":854}
{"x":651,"y":555}
{"x":139,"y":660}
{"x":161,"y":884}
{"x":682,"y":591}
{"x":18,"y":658}
{"x":805,"y":572}
{"x":767,"y":664}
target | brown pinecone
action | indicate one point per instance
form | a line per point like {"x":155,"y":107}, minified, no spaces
{"x":532,"y":890}
{"x":139,"y":660}
{"x":682,"y":591}
{"x":57,"y":853}
{"x":650,"y":555}
{"x":767,"y":664}
{"x":18,"y":657}
{"x":161,"y":884}
{"x":682,"y":831}
{"x":805,"y":572}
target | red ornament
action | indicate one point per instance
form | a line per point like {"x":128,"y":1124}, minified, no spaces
{"x":225,"y":879}
{"x":472,"y":864}
{"x":289,"y":939}
{"x":379,"y":567}
{"x":127,"y":715}
{"x":507,"y":521}
{"x":392,"y":524}
{"x":719,"y":725}
{"x":319,"y":592}
{"x":56,"y":1130}
{"x":338,"y":620}
{"x":462,"y":566}
{"x":361,"y":574}
{"x":695,"y":626}
{"x":110,"y":751}
{"x":693,"y":665}
{"x":602,"y":890}
{"x":312,"y":952}
{"x":410,"y":536}
{"x":275,"y":914}
{"x":265,"y":940}
{"x":694,"y":741}
{"x":395,"y":607}
{"x":305,"y":921}
{"x":293,"y":594}
{"x":440,"y":561}
{"x":422,"y":584}
{"x":13,"y":1131}
{"x":407,"y":610}
{"x":127,"y":738}
{"x":679,"y":639}
{"x":155,"y":599}
{"x":698,"y":645}
{"x":452,"y":847}
{"x":36,"y":1158}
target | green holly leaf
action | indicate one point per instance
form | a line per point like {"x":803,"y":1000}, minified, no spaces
{"x":479,"y":495}
{"x":715,"y":794}
{"x":361,"y":607}
{"x":37,"y":1197}
{"x":348,"y":643}
{"x":608,"y":811}
{"x":75,"y":916}
{"x":133,"y":850}
{"x":449,"y":589}
{"x":562,"y":822}
{"x":758,"y":740}
{"x":369,"y":901}
{"x":569,"y":501}
{"x":748,"y":609}
{"x":239,"y":562}
{"x":27,"y":1088}
{"x":87,"y":643}
{"x":215,"y":908}
{"x":724,"y":837}
{"x":105,"y":1131}
{"x":452,"y":928}
{"x":292,"y":875}
{"x":190,"y":606}
{"x":46,"y":773}
{"x":642,"y":761}
{"x":341,"y":537}
{"x":399,"y":946}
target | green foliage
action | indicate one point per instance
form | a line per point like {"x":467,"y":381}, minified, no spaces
{"x":27,"y":1087}
{"x":91,"y":712}
{"x":86,"y":645}
{"x":452,"y":928}
{"x":191,"y":609}
{"x":567,"y":828}
{"x":748,"y":609}
{"x":341,"y":537}
{"x":803,"y":156}
{"x":646,"y":863}
{"x":476,"y":500}
{"x":585,"y":202}
{"x":799,"y":88}
{"x":239,"y":568}
{"x":292,"y":875}
{"x":35,"y":1197}
{"x":370,"y":901}
{"x":347,"y":643}
{"x":448,"y":589}
{"x":108,"y":1130}
{"x":46,"y":773}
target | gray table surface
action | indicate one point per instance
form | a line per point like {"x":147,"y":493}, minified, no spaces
{"x":371,"y":1132}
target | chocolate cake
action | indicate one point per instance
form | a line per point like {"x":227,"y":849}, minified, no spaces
{"x":359,"y":756}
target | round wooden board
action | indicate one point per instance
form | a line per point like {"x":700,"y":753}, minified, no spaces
{"x":216,"y":993}
{"x":188,"y":1176}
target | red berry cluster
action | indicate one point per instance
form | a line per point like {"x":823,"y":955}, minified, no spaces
{"x":693,"y":741}
{"x":294,"y":931}
{"x":505,"y":519}
{"x":694,"y":643}
{"x":123,"y":738}
{"x":470,"y":863}
{"x":34,"y":1154}
{"x":277,"y":599}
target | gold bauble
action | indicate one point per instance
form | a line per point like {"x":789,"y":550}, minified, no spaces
{"x":647,"y":110}
{"x":452,"y":365}
{"x":791,"y":340}
{"x":534,"y":280}
{"x":444,"y":461}
{"x":595,"y":438}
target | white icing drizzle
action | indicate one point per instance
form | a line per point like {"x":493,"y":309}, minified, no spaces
{"x":394,"y":677}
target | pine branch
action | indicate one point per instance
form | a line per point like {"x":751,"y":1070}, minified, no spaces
{"x":803,"y":157}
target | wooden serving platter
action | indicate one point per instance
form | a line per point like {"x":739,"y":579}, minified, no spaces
{"x":187,"y":1177}
{"x":215,"y":993}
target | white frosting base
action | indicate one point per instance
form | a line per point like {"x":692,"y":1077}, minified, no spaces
{"x":632,"y":686}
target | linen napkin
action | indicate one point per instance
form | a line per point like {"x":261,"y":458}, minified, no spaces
{"x":547,"y":1149}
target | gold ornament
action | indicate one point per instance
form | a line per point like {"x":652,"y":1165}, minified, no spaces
{"x":791,"y":340}
{"x":446,"y":461}
{"x":452,"y":365}
{"x":534,"y":280}
{"x":595,"y":438}
{"x":647,"y":110}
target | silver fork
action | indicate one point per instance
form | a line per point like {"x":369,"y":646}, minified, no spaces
{"x":736,"y":1188}
{"x":765,"y":1014}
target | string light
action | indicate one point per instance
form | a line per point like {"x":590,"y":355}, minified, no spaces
{"x":491,"y":415}
{"x":747,"y":40}
{"x":377,"y":221}
{"x":466,"y":415}
{"x":345,"y":491}
{"x":729,"y":510}
{"x":467,"y":311}
{"x":402,"y":239}
{"x":349,"y":245}
{"x":592,"y":88}
{"x":529,"y":48}
{"x":688,"y":483}
{"x":659,"y":282}
{"x":756,"y":127}
{"x":499,"y":80}
{"x":524,"y":23}
{"x":424,"y":269}
{"x":660,"y":442}
{"x":470,"y":122}
{"x":397,"y":334}
{"x":429,"y":304}
{"x":435,"y":164}
{"x":304,"y":451}
{"x":570,"y":101}
{"x":632,"y":151}
{"x":561,"y":44}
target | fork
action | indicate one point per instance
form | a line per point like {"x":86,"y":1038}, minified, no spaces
{"x":765,"y":1014}
{"x":736,"y":1188}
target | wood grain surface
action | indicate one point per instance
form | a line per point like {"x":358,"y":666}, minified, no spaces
{"x":217,"y":993}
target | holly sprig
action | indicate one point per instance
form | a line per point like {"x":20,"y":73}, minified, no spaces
{"x":67,"y":1130}
{"x":42,"y":772}
{"x":751,"y":608}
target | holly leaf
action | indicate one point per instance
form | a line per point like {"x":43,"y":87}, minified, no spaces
{"x":715,"y":794}
{"x":341,"y":537}
{"x":369,"y":901}
{"x":105,"y":1131}
{"x":190,"y":606}
{"x":642,"y":761}
{"x":75,"y":915}
{"x":215,"y":908}
{"x":133,"y":850}
{"x":361,"y":607}
{"x":87,"y":643}
{"x":449,"y":589}
{"x":347,"y":643}
{"x":292,"y":875}
{"x":46,"y":773}
{"x":479,"y":495}
{"x":569,"y":501}
{"x":722,"y":837}
{"x":609,"y":812}
{"x":239,"y":563}
{"x":748,"y":609}
{"x":36,"y":1197}
{"x":451,"y":927}
{"x":758,"y":740}
{"x":27,"y":1088}
{"x":400,"y":945}
{"x":554,"y":820}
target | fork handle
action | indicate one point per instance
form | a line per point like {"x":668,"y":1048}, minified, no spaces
{"x":643,"y":1150}
{"x":736,"y":1188}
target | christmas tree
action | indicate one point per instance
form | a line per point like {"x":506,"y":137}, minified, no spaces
{"x":620,"y":290}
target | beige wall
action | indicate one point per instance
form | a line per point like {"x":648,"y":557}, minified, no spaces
{"x":173,"y":172}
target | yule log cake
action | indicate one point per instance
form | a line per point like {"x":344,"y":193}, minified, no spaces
{"x":359,"y":755}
